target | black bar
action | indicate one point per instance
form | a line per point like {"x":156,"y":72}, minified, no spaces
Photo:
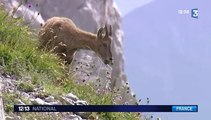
{"x":92,"y":108}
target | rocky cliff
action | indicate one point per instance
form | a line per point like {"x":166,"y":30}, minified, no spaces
{"x":88,"y":15}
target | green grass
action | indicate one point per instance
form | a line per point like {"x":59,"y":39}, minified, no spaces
{"x":26,"y":86}
{"x":20,"y":56}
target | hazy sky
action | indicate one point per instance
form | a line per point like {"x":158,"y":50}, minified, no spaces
{"x":126,"y":7}
{"x":171,"y":51}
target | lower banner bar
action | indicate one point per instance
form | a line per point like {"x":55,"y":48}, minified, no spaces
{"x":105,"y":108}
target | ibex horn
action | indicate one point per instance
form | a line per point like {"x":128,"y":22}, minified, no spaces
{"x":106,"y":30}
{"x":110,"y":31}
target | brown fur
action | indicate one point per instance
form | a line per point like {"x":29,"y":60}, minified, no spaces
{"x":63,"y":37}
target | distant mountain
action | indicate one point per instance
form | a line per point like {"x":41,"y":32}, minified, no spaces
{"x":168,"y":55}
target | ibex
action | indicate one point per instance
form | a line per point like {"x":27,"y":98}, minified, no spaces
{"x":63,"y":37}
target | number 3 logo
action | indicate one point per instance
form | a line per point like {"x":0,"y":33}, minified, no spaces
{"x":194,"y":13}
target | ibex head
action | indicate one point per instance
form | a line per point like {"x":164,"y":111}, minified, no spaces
{"x":104,"y":37}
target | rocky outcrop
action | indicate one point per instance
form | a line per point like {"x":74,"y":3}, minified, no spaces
{"x":29,"y":12}
{"x":88,"y":68}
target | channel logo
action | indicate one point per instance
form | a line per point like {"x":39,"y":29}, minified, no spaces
{"x":195,"y":13}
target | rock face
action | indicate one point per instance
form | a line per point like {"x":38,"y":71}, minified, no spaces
{"x":88,"y":15}
{"x":87,"y":68}
{"x":26,"y":10}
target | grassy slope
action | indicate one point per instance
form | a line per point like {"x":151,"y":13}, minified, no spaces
{"x":20,"y":56}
